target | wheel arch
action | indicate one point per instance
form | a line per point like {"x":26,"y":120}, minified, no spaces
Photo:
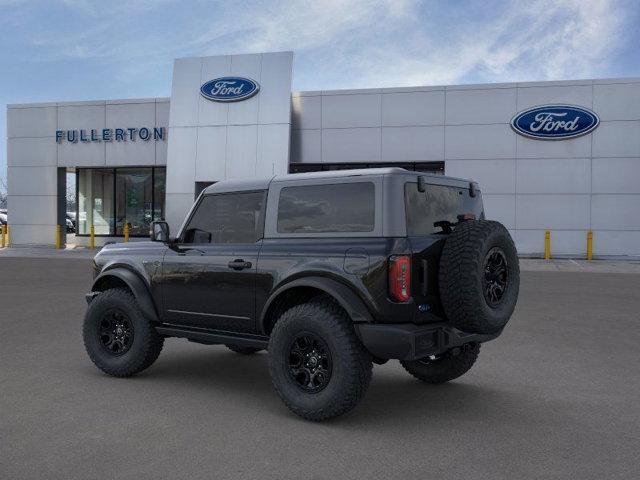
{"x":121,"y":277}
{"x":303,"y":289}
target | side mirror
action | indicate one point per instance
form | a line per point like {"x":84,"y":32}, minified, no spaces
{"x":160,"y":232}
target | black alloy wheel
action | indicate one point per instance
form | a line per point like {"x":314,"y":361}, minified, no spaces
{"x":496,"y":277}
{"x":310,"y":362}
{"x":116,"y":333}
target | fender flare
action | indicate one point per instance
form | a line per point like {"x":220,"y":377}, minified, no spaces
{"x":137,"y":286}
{"x":345,"y":296}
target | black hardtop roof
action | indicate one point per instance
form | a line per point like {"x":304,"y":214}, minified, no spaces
{"x":227,"y":186}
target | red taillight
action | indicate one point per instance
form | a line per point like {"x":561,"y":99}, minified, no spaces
{"x":400,"y":278}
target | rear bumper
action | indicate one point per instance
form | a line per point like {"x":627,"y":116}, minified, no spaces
{"x":411,"y":342}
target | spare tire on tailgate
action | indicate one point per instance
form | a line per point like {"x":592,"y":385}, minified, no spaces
{"x":479,"y":276}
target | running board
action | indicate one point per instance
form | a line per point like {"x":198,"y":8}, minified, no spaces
{"x":212,"y":337}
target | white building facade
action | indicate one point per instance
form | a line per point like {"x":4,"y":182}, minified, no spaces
{"x":139,"y":160}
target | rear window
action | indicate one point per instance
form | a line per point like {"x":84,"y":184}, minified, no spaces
{"x":437,"y":203}
{"x":344,"y":207}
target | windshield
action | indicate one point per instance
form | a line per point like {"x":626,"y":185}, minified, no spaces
{"x":438,"y":206}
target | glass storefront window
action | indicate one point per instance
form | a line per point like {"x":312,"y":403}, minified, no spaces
{"x":107,"y":198}
{"x":134,"y":200}
{"x":95,"y":201}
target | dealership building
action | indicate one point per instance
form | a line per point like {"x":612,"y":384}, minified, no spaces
{"x":559,"y":156}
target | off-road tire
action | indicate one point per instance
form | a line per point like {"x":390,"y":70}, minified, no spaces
{"x":243,"y":350}
{"x":351,"y":363}
{"x":445,"y":368}
{"x":462,"y":276}
{"x":145,"y":346}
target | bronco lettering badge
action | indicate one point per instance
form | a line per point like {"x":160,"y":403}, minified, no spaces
{"x":555,"y":122}
{"x":229,"y":89}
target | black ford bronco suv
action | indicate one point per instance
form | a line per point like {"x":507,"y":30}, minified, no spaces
{"x":329,"y":271}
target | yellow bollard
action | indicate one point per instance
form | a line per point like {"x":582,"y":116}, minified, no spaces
{"x":8,"y":235}
{"x":126,"y":231}
{"x":92,"y":237}
{"x":589,"y":245}
{"x":547,"y":244}
{"x":58,"y":237}
{"x":4,"y":235}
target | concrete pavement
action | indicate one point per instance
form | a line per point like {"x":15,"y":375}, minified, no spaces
{"x":556,"y":396}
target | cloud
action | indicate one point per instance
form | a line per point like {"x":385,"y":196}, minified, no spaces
{"x":358,"y":43}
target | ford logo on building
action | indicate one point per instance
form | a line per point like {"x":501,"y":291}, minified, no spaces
{"x":229,"y":89}
{"x":555,"y":122}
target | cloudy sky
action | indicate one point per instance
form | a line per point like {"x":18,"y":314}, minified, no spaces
{"x":86,"y":49}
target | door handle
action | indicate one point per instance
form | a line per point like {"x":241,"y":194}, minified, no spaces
{"x":239,"y":264}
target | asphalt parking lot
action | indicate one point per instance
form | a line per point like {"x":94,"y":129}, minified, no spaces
{"x":556,"y":396}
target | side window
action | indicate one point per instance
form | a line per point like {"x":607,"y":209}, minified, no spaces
{"x":227,"y":218}
{"x":343,"y":207}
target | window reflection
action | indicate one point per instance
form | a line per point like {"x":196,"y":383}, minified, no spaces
{"x":109,"y":198}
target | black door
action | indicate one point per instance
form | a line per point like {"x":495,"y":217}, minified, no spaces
{"x":209,"y":276}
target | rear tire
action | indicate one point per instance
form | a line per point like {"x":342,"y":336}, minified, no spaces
{"x":243,"y":350}
{"x":318,"y":366}
{"x":479,"y":277}
{"x":445,"y":368}
{"x":118,"y":338}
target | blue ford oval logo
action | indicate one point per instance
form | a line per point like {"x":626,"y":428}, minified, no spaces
{"x":229,"y":89}
{"x":555,"y":122}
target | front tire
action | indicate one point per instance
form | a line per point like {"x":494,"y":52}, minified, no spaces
{"x":118,"y":338}
{"x":318,"y":366}
{"x":445,"y":368}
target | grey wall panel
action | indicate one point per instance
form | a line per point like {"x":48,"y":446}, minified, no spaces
{"x":181,"y":172}
{"x":616,"y":175}
{"x":272,"y":150}
{"x":557,"y":212}
{"x":558,"y":175}
{"x":83,"y":116}
{"x":479,"y":141}
{"x":130,"y":153}
{"x":617,"y":101}
{"x":185,"y":92}
{"x":306,"y":146}
{"x":91,"y":154}
{"x":241,"y":152}
{"x":246,"y":111}
{"x":501,"y":208}
{"x":617,"y":139}
{"x":210,"y":155}
{"x":275,"y":80}
{"x":494,"y":176}
{"x":616,"y":243}
{"x":178,"y":204}
{"x":544,"y":93}
{"x":42,"y":234}
{"x":412,"y":143}
{"x":306,"y":112}
{"x":496,"y":105}
{"x":36,"y":152}
{"x":615,"y":212}
{"x":579,"y":147}
{"x":32,"y":181}
{"x":563,"y":242}
{"x":32,"y":122}
{"x":208,"y":112}
{"x":125,"y":115}
{"x":162,"y":120}
{"x":412,"y":108}
{"x":350,"y":111}
{"x":351,"y":145}
{"x":32,"y":210}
